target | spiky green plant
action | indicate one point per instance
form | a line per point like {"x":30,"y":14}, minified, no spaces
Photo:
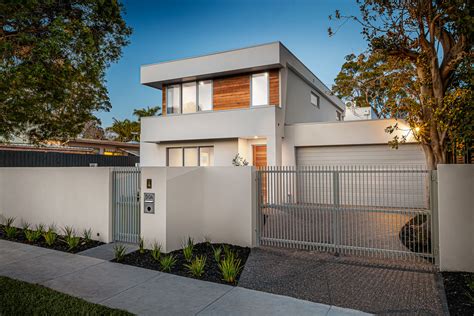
{"x":156,"y":251}
{"x":141,"y":245}
{"x":8,"y":222}
{"x":32,"y":235}
{"x":227,"y":251}
{"x":10,"y":231}
{"x":188,"y":253}
{"x":230,"y":268}
{"x":119,"y":251}
{"x":40,"y":228}
{"x":87,"y":234}
{"x":196,"y":267}
{"x":167,"y":263}
{"x":50,"y":237}
{"x":68,"y":231}
{"x":25,"y":225}
{"x":72,"y":242}
{"x":217,"y":254}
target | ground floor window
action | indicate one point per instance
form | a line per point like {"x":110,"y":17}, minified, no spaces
{"x":202,"y":156}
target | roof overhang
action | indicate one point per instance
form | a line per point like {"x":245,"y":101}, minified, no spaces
{"x":243,"y":60}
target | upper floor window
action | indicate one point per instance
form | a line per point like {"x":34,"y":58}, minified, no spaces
{"x":173,"y":99}
{"x":189,"y":97}
{"x":315,"y":99}
{"x":259,"y":89}
{"x":205,"y":95}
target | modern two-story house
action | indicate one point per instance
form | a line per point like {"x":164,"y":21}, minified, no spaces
{"x":259,"y":102}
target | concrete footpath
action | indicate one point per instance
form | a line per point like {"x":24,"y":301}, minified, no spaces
{"x":142,"y":291}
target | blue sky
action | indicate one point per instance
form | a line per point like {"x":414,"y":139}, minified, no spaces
{"x":166,"y":30}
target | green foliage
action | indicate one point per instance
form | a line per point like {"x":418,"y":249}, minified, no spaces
{"x":40,"y":228}
{"x":144,"y":112}
{"x":167,"y":263}
{"x":156,"y":251}
{"x":217,"y":254}
{"x":230,"y":268}
{"x":196,"y":267}
{"x":125,"y":130}
{"x":53,"y":63}
{"x":22,"y":298}
{"x":119,"y":251}
{"x":32,"y":235}
{"x":141,"y":245}
{"x":87,"y":234}
{"x":227,"y":251}
{"x":50,"y":236}
{"x":25,"y":225}
{"x":188,"y":248}
{"x":9,"y":221}
{"x":10,"y":231}
{"x":68,"y":231}
{"x":72,"y":241}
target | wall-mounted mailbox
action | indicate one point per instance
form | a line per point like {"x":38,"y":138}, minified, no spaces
{"x":149,"y":203}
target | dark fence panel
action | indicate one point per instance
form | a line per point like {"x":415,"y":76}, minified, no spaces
{"x":55,"y":159}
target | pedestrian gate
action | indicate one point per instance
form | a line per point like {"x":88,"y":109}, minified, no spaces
{"x":382,"y":211}
{"x":126,"y":204}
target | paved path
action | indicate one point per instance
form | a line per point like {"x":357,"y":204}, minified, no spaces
{"x":142,"y":291}
{"x":374,"y":286}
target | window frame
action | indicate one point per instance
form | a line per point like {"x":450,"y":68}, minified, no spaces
{"x":318,"y":100}
{"x":180,"y":85}
{"x":182,"y":154}
{"x":268,"y":88}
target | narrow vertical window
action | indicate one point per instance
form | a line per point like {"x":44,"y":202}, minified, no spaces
{"x":173,"y":99}
{"x":191,"y":157}
{"x":260,"y":89}
{"x":205,"y":95}
{"x":175,"y":157}
{"x":189,"y":97}
{"x":314,"y":99}
{"x":206,"y":156}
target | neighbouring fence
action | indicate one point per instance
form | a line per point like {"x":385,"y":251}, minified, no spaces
{"x":14,"y":158}
{"x":381,"y":211}
{"x":77,"y":197}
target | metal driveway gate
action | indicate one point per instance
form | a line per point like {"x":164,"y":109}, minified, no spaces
{"x":126,"y":204}
{"x":381,"y":211}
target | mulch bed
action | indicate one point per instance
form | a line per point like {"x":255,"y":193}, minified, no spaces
{"x":459,"y":287}
{"x":60,"y":244}
{"x":211,"y":273}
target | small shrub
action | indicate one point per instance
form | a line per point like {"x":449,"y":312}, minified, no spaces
{"x":50,"y":237}
{"x":196,"y":267}
{"x":167,"y":263}
{"x":40,"y":228}
{"x":227,"y":251}
{"x":119,"y":251}
{"x":217,"y":254}
{"x":10,"y":231}
{"x":156,"y":251}
{"x":25,"y":225}
{"x":188,"y":253}
{"x":141,"y":246}
{"x":230,"y":268}
{"x":9,"y":221}
{"x":68,"y":231}
{"x":32,"y":235}
{"x":72,"y":242}
{"x":87,"y":234}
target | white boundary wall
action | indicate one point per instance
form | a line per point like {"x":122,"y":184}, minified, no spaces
{"x":456,"y":217}
{"x":77,"y":197}
{"x":213,"y":202}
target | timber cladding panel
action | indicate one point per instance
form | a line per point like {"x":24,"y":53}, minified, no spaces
{"x":163,"y":106}
{"x":233,"y":92}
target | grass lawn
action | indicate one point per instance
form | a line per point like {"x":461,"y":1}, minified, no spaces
{"x":21,"y":298}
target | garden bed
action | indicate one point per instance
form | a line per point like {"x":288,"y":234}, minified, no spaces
{"x":59,"y":243}
{"x":212,"y":272}
{"x":459,"y":287}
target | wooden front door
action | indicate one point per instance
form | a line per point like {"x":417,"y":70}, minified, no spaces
{"x":260,"y":155}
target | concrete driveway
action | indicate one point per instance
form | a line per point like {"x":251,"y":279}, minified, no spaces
{"x":142,"y":291}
